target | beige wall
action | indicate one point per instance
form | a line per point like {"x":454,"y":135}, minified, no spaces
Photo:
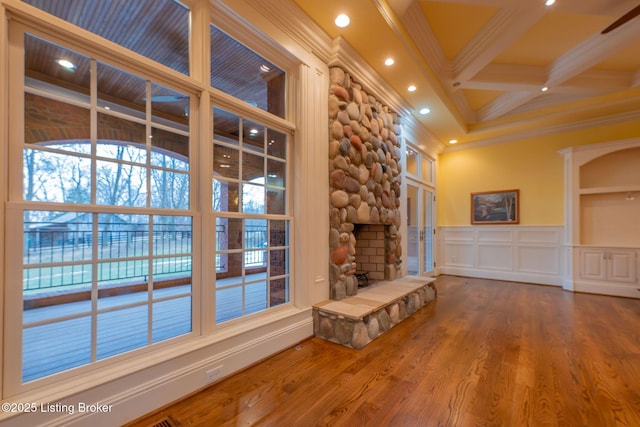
{"x":532,"y":165}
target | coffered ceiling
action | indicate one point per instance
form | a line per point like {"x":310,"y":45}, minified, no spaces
{"x":480,"y":65}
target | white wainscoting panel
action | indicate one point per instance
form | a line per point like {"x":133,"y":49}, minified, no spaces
{"x":531,"y":254}
{"x":494,"y":257}
{"x":539,"y":259}
{"x":461,"y":255}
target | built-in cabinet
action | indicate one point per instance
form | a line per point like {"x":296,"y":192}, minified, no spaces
{"x":602,"y":217}
{"x":607,"y":264}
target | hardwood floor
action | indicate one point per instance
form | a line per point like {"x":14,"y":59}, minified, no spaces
{"x":485,"y":353}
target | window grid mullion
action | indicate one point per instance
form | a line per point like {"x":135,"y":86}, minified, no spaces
{"x":150,"y":272}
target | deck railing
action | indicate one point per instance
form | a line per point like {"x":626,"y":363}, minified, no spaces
{"x":55,"y":258}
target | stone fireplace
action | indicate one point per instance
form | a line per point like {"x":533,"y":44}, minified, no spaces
{"x":365,"y":179}
{"x":365,"y":219}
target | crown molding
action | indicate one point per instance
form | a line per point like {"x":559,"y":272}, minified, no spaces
{"x":295,"y":23}
{"x":347,"y":58}
{"x":603,"y":147}
{"x":612,"y":119}
{"x":460,"y":101}
{"x":289,"y":18}
{"x":416,"y":134}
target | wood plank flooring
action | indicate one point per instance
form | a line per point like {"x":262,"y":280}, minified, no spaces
{"x":485,"y":353}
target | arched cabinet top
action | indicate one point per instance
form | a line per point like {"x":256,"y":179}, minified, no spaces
{"x":619,"y":168}
{"x":582,"y":154}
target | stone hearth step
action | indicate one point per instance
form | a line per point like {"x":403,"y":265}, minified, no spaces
{"x":355,"y":321}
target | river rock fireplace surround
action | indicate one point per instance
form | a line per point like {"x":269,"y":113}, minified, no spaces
{"x":365,"y":181}
{"x":365,"y":219}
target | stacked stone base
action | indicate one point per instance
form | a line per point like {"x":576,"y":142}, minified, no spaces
{"x":357,"y":331}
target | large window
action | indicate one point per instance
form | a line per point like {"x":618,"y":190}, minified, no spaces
{"x":252,"y":225}
{"x":113,"y":198}
{"x":107,"y":237}
{"x":249,"y":184}
{"x":240,"y":72}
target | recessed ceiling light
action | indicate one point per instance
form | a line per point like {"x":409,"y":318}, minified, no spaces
{"x":253,"y":131}
{"x":424,"y":111}
{"x":342,"y":20}
{"x":66,"y":64}
{"x":544,"y":89}
{"x":265,"y":68}
{"x":106,"y":107}
{"x":411,"y":88}
{"x":389,"y":62}
{"x":549,"y":2}
{"x":453,"y":141}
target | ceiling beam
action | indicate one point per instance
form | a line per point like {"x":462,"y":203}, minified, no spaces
{"x":426,"y":42}
{"x":576,"y":61}
{"x":571,"y":77}
{"x":521,"y":4}
{"x":503,"y":28}
{"x":503,"y":77}
{"x":429,"y":48}
{"x":433,"y":75}
{"x":504,"y":104}
{"x":548,"y":100}
{"x":591,"y":52}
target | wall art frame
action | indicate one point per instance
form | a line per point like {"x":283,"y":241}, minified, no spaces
{"x":495,"y":207}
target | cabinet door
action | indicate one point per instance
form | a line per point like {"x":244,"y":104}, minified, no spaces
{"x":592,"y":264}
{"x":621,"y":266}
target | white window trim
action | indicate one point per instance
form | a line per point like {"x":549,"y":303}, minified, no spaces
{"x":306,"y":93}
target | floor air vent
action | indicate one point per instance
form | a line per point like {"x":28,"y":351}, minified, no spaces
{"x":165,"y":422}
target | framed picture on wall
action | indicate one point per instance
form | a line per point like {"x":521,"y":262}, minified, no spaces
{"x":495,"y":207}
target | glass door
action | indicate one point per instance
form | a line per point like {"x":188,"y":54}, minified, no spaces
{"x":414,"y":232}
{"x":427,"y":242}
{"x":420,"y":237}
{"x":420,"y":172}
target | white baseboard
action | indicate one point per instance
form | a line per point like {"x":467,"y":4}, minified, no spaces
{"x":538,"y":279}
{"x":138,"y":394}
{"x":608,"y":288}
